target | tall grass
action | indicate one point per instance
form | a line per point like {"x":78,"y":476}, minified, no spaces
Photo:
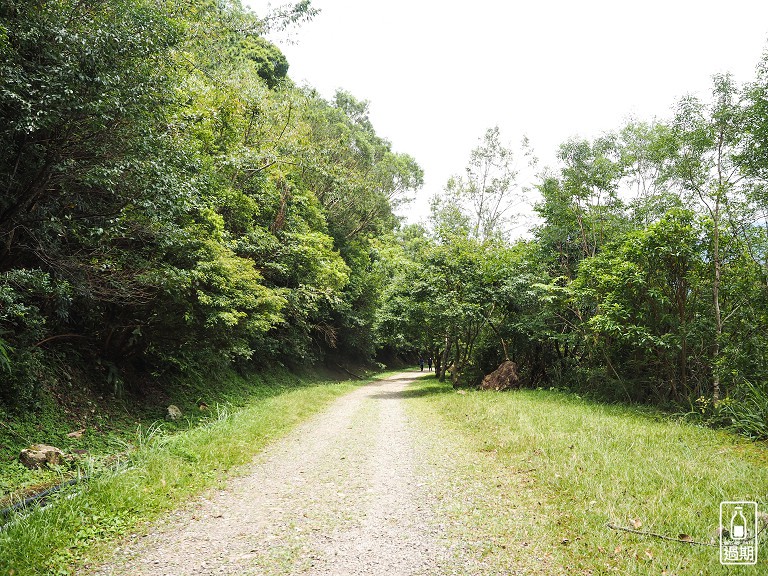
{"x":575,"y":465}
{"x":748,"y":412}
{"x":165,"y":471}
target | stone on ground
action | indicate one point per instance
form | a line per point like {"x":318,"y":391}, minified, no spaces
{"x":505,"y":377}
{"x":38,"y":455}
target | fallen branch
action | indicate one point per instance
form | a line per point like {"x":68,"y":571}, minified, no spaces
{"x":350,"y":373}
{"x":686,"y":540}
{"x":57,"y":337}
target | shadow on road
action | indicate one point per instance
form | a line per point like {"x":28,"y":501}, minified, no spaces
{"x":420,"y":392}
{"x":408,"y":377}
{"x":385,"y":381}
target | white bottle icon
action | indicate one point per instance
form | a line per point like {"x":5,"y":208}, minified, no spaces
{"x":738,"y":525}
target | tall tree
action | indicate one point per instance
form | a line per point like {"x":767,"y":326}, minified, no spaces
{"x":488,"y":192}
{"x":708,"y":139}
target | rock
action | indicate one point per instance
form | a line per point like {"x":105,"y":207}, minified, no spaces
{"x":173,"y":413}
{"x":505,"y":377}
{"x":39,"y":455}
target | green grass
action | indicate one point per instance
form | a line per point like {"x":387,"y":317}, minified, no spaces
{"x":550,"y":469}
{"x":165,"y":469}
{"x":110,"y":422}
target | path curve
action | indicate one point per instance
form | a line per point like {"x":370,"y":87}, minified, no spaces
{"x":343,"y":494}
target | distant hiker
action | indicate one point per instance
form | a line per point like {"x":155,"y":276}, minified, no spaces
{"x":421,"y":363}
{"x":429,"y":363}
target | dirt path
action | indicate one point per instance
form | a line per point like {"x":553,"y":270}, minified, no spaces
{"x":347,"y":493}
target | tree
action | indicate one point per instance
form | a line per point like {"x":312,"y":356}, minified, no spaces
{"x":172,"y":201}
{"x":708,"y":140}
{"x":87,"y":165}
{"x":488,"y":193}
{"x":352,"y":171}
{"x":645,"y":151}
{"x":647,"y":321}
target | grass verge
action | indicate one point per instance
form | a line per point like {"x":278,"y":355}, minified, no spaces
{"x":550,"y":470}
{"x":95,"y":427}
{"x":165,"y":470}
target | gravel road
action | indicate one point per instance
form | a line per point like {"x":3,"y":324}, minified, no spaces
{"x":349,"y":492}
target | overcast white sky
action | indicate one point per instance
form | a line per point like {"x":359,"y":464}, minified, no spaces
{"x":438,"y":74}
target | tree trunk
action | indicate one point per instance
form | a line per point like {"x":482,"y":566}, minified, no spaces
{"x":718,"y":315}
{"x":501,"y":340}
{"x":716,"y":261}
{"x":682,"y":297}
{"x":444,"y":360}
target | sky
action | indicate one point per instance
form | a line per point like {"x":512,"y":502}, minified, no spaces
{"x":438,"y":74}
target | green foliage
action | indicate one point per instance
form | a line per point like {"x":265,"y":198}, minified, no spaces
{"x":173,"y":202}
{"x":645,"y":297}
{"x":646,"y":279}
{"x":5,"y":361}
{"x":270,"y":62}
